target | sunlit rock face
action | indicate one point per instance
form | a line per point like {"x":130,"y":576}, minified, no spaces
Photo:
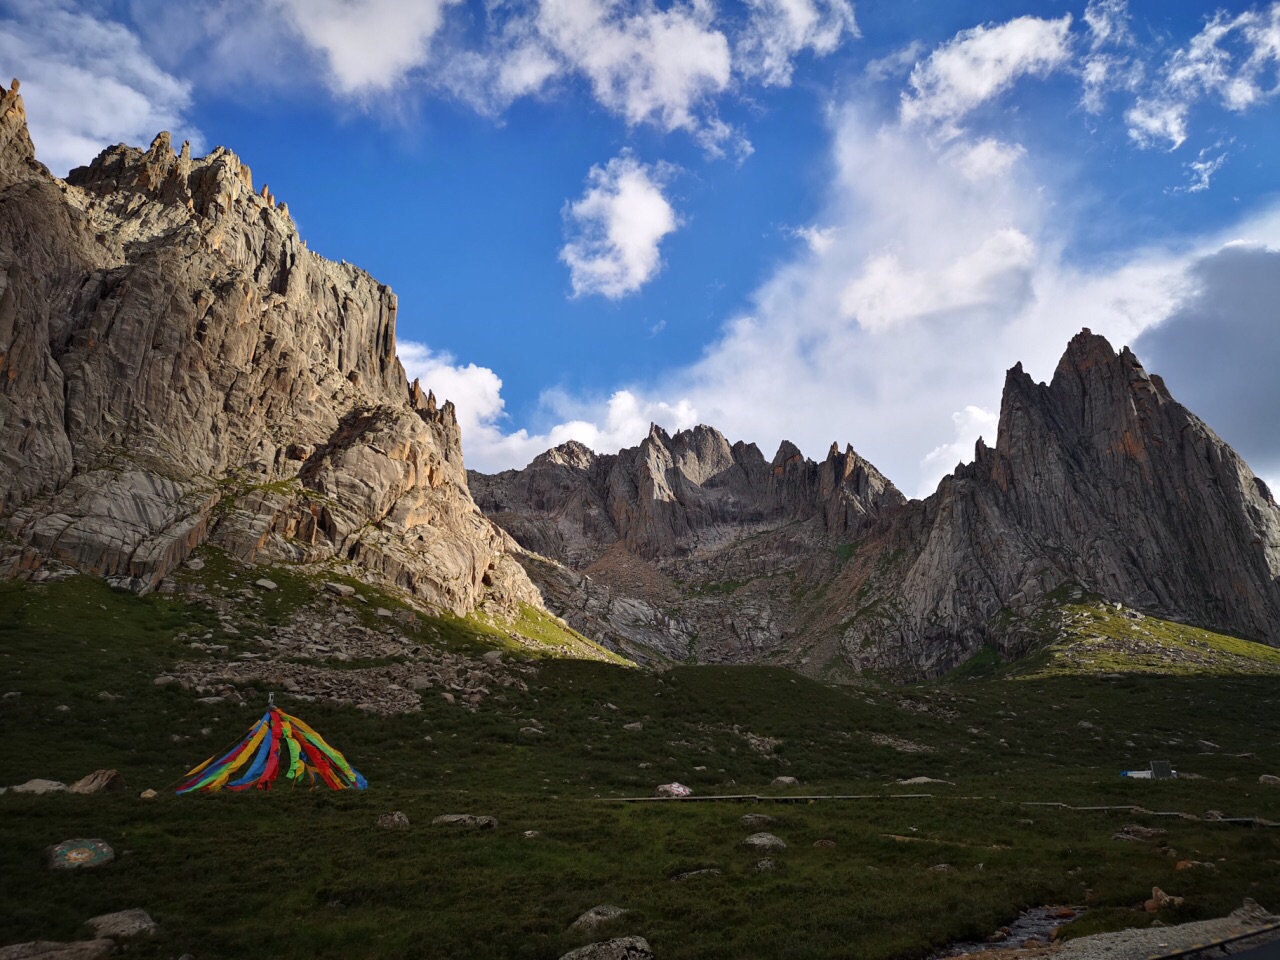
{"x":176,"y":367}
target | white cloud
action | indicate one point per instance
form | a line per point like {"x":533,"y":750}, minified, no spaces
{"x":88,"y":84}
{"x":895,"y":64}
{"x":887,"y":293}
{"x":1232,"y":59}
{"x":1202,"y":170}
{"x":605,"y":425}
{"x":981,"y":63}
{"x":368,"y":44}
{"x":650,"y":66}
{"x":1108,"y":22}
{"x":819,"y":239}
{"x":778,"y":30}
{"x":987,"y":157}
{"x":616,"y":227}
{"x":1151,"y":122}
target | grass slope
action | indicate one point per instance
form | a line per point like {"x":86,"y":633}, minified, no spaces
{"x":300,"y":874}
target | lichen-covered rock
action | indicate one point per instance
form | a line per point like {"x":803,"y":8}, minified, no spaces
{"x":99,"y":781}
{"x":764,"y":841}
{"x":123,"y":924}
{"x":40,"y":786}
{"x":621,"y":948}
{"x":169,"y":345}
{"x":467,"y":821}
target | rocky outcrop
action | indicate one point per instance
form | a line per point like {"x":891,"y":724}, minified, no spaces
{"x":1098,"y":480}
{"x":177,"y":367}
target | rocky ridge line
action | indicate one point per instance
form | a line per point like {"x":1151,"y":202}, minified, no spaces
{"x":1099,"y":481}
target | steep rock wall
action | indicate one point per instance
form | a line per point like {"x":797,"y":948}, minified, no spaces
{"x":176,"y":366}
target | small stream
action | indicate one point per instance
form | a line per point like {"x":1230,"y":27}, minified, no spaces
{"x":1035,"y":924}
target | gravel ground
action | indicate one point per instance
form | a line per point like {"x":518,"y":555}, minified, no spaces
{"x":1156,"y":942}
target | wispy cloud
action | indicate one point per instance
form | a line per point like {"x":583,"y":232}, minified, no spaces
{"x":1232,"y":60}
{"x":981,"y":63}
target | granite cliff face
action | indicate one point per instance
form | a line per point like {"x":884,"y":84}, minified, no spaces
{"x":1099,"y":481}
{"x":176,"y":367}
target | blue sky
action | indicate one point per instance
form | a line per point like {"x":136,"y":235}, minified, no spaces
{"x":806,"y":219}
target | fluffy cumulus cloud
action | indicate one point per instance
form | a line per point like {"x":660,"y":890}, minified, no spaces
{"x":616,"y":227}
{"x":367,"y":44}
{"x":651,"y":65}
{"x":980,"y":63}
{"x":88,"y":83}
{"x":661,"y":64}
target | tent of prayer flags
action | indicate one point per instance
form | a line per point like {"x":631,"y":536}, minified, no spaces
{"x":277,"y":744}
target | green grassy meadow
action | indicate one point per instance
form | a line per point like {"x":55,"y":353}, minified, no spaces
{"x":294,"y":873}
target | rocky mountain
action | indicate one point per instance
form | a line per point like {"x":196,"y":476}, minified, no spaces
{"x":662,"y":531}
{"x":1099,"y":482}
{"x":176,"y":368}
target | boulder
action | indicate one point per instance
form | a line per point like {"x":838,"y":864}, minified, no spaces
{"x":1268,"y":780}
{"x":696,"y":874}
{"x":1160,"y":901}
{"x":465,"y":820}
{"x":98,"y":782}
{"x":40,"y":787}
{"x":340,"y":589}
{"x":265,"y":584}
{"x":393,"y":821}
{"x":622,"y":948}
{"x":1134,"y":831}
{"x":765,"y":865}
{"x":785,"y":782}
{"x":764,"y":841}
{"x":637,"y":725}
{"x":596,"y":916}
{"x":673,"y":790}
{"x":148,"y":794}
{"x":757,"y":820}
{"x":123,"y":924}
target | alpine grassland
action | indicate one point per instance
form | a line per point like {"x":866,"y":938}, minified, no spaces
{"x":873,"y":868}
